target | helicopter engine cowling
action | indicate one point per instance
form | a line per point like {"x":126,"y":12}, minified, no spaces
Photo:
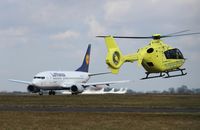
{"x":33,"y":89}
{"x":75,"y":89}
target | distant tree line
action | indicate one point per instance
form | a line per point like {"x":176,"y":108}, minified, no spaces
{"x":183,"y":90}
{"x":180,"y":90}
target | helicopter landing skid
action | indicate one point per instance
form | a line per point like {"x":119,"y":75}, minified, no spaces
{"x":147,"y":76}
{"x":163,"y":75}
{"x":170,"y":76}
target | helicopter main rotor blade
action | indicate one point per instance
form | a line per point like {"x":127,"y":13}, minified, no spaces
{"x":177,"y":32}
{"x":150,"y":37}
{"x":179,"y":35}
{"x":133,"y":37}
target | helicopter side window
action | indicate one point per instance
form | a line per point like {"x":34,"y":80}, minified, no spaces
{"x":173,"y":54}
{"x":150,"y":50}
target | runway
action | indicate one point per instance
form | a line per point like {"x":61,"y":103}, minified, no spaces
{"x":25,"y":108}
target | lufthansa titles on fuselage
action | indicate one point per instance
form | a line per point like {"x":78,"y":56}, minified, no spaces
{"x":58,"y":74}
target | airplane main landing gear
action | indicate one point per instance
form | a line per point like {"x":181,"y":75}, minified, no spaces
{"x":40,"y":93}
{"x":52,"y":92}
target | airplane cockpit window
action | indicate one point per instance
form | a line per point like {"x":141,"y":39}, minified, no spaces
{"x":173,"y":54}
{"x":38,"y":77}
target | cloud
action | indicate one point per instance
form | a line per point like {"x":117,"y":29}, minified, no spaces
{"x":151,"y":15}
{"x":65,"y":35}
{"x":13,"y":32}
{"x":117,"y":9}
{"x":95,"y":28}
{"x":13,"y":36}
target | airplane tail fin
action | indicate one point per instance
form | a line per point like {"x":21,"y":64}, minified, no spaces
{"x":85,"y":65}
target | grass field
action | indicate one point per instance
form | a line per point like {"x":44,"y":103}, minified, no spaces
{"x":98,"y":121}
{"x":10,"y":120}
{"x":191,"y":101}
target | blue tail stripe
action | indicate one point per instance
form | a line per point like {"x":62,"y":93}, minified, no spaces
{"x":85,"y":65}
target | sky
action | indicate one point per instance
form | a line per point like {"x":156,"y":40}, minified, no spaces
{"x":41,"y":35}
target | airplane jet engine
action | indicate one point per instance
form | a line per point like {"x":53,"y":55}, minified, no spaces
{"x":75,"y":89}
{"x":33,"y":89}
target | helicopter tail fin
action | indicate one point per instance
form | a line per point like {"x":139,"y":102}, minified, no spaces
{"x":114,"y":55}
{"x":115,"y":58}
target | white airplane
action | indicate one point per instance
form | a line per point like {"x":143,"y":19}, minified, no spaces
{"x":74,"y":81}
{"x":91,"y":92}
{"x":101,"y":91}
{"x":122,"y":91}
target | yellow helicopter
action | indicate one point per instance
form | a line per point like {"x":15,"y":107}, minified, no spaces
{"x":156,"y":57}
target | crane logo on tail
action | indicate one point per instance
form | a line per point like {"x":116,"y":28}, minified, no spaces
{"x":87,"y":59}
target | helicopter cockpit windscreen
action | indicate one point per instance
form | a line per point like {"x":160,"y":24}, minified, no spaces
{"x":173,"y":54}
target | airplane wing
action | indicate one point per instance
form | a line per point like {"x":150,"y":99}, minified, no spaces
{"x":20,"y":81}
{"x":105,"y":83}
{"x":94,"y":74}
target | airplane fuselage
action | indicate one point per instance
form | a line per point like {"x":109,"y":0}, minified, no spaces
{"x":56,"y":79}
